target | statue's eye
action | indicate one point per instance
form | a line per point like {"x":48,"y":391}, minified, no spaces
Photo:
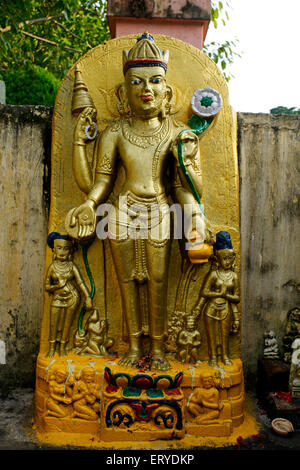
{"x":156,"y":80}
{"x":136,"y":81}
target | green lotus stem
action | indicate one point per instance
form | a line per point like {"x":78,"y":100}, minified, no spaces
{"x":198,"y":126}
{"x":85,"y":246}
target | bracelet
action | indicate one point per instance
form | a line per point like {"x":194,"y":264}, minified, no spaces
{"x":81,"y":144}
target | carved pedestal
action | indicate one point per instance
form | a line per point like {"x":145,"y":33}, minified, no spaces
{"x":96,"y":398}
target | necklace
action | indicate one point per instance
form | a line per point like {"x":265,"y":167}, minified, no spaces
{"x":65,"y":269}
{"x":144,"y":141}
{"x":224,"y":276}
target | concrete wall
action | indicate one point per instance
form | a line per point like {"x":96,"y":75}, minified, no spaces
{"x":269,"y":161}
{"x":25,"y":138}
{"x":269,"y":151}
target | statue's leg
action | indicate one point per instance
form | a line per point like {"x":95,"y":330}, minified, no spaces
{"x":225,"y":330}
{"x":157,"y":264}
{"x":69,"y":315}
{"x":54,"y":409}
{"x":123,"y":253}
{"x":55,"y":313}
{"x":210,"y":326}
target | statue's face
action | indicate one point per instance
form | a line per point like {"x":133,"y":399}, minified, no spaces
{"x":60,"y":377}
{"x":146,"y":90}
{"x":62,"y":249}
{"x":88,"y":376}
{"x":207,"y":381}
{"x":226,"y":258}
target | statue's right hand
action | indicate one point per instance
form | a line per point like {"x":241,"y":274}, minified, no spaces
{"x":84,"y":217}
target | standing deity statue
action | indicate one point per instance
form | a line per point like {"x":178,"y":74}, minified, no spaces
{"x":64,"y":283}
{"x":218,"y":301}
{"x":144,"y":144}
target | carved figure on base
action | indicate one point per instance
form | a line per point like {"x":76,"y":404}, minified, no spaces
{"x":60,"y":394}
{"x":205,"y":404}
{"x":86,"y":395}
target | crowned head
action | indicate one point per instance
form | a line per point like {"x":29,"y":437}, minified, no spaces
{"x":145,"y":92}
{"x":145,"y":53}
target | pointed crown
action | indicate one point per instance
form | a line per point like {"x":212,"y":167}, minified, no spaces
{"x":145,"y":53}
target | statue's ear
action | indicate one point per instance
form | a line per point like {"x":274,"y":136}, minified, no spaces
{"x":123,"y":106}
{"x":121,"y":92}
{"x":169,"y":93}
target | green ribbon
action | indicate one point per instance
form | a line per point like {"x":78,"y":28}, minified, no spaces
{"x":85,"y":246}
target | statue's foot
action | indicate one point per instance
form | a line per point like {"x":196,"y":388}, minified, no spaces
{"x":227,"y":361}
{"x":160,"y":363}
{"x":130,"y":358}
{"x":62,"y":350}
{"x":213,"y":361}
{"x":51,"y":352}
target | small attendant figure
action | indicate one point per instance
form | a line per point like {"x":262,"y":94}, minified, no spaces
{"x":218,"y":301}
{"x":64,"y":283}
{"x":188,"y":341}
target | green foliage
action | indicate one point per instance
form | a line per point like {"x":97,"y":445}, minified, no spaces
{"x":284,"y":110}
{"x":31,"y":85}
{"x":223,"y":54}
{"x":50,"y":33}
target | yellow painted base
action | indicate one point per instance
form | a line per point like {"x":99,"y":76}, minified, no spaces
{"x":116,"y":400}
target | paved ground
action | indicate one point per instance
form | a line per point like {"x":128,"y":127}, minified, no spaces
{"x":16,"y":416}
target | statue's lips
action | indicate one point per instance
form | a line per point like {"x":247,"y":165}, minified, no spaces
{"x":146,"y":97}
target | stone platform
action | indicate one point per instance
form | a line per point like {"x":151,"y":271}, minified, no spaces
{"x":96,"y":398}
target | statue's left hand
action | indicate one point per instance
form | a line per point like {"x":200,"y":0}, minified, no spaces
{"x":190,"y":146}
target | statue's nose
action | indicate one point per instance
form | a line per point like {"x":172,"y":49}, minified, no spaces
{"x":147,"y":86}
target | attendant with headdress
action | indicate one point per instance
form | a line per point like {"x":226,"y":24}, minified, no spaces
{"x":64,"y":283}
{"x":218,"y":300}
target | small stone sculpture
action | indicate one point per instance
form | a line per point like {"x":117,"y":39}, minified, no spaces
{"x":271,"y":346}
{"x":205,"y":404}
{"x":93,"y":339}
{"x":188,"y":341}
{"x":292,"y":331}
{"x":294,"y":381}
{"x":64,"y":283}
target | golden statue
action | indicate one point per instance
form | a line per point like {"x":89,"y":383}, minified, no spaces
{"x":145,"y":143}
{"x":63,"y":283}
{"x":125,"y":169}
{"x":218,"y":301}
